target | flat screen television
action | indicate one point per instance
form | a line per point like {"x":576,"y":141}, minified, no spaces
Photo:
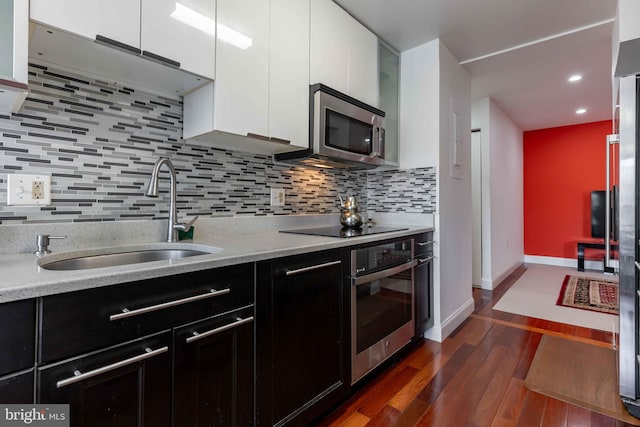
{"x":598,"y":207}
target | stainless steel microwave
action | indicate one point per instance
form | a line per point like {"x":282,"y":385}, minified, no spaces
{"x":344,"y":128}
{"x":343,"y":133}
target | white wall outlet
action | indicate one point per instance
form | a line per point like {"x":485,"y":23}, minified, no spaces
{"x":277,"y":197}
{"x":30,"y":190}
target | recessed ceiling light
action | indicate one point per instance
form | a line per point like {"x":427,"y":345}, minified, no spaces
{"x":581,"y":110}
{"x":575,"y":78}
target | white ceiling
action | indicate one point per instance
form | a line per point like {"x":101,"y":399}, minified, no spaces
{"x":518,"y":52}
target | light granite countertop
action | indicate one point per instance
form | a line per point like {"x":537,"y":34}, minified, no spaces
{"x":241,"y":242}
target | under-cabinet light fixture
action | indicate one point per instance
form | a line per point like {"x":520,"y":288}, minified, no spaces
{"x":575,"y":78}
{"x":581,"y":110}
{"x":207,"y":25}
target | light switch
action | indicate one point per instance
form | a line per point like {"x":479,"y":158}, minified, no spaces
{"x":28,"y":190}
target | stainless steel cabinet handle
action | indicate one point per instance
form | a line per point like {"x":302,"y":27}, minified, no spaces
{"x":429,"y":242}
{"x":311,"y":268}
{"x":78,"y":376}
{"x":129,"y":313}
{"x":197,"y":336}
{"x":116,"y":44}
{"x":423,"y":260}
{"x":257,"y":136}
{"x":280,"y":140}
{"x":161,"y":59}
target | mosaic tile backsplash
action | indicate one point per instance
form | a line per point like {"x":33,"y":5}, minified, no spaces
{"x":99,"y":143}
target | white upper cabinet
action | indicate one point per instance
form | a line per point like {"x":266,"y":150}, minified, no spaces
{"x":362,"y":71}
{"x":242,"y":86}
{"x":259,"y":101}
{"x":329,"y":45}
{"x":178,"y":34}
{"x":344,"y":53}
{"x":118,"y":20}
{"x":14,"y":30}
{"x":181,"y":31}
{"x":289,"y":72}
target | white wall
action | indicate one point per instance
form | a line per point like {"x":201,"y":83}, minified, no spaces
{"x":502,"y":205}
{"x":456,"y":299}
{"x":419,"y":106}
{"x":432,"y":81}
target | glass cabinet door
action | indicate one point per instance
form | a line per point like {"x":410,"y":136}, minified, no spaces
{"x":389,"y":82}
{"x":6,"y":38}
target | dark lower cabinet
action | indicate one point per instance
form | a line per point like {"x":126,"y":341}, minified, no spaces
{"x":17,"y":388}
{"x":214,"y":371}
{"x":17,"y":335}
{"x":424,"y":283}
{"x":301,"y":337}
{"x":125,"y":385}
{"x":17,"y":351}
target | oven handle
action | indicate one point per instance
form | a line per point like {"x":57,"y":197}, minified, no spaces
{"x":355,"y":281}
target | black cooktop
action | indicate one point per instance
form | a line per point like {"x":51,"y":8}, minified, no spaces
{"x":338,"y":231}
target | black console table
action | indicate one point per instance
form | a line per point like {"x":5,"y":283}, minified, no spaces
{"x":591,"y":244}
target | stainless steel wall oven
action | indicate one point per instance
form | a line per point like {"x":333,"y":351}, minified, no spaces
{"x":382,"y":303}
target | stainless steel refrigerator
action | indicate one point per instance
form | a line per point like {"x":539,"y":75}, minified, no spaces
{"x":629,"y":235}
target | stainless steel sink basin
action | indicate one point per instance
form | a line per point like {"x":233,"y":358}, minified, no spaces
{"x":121,"y":256}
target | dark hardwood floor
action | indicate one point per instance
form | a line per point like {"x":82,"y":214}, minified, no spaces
{"x":474,"y":378}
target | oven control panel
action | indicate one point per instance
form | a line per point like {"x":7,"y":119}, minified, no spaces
{"x":380,"y":257}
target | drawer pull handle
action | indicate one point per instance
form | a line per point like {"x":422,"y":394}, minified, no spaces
{"x":312,"y":268}
{"x":430,"y":242}
{"x":198,"y":336}
{"x":130,"y":313}
{"x":423,"y":260}
{"x":79,"y":376}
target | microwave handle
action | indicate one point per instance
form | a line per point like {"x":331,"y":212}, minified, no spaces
{"x":378,"y":142}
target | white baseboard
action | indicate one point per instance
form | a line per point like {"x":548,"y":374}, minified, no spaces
{"x":440,"y":332}
{"x":562,"y":262}
{"x":490,"y":285}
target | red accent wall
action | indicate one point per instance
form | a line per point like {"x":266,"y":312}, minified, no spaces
{"x":561,"y":167}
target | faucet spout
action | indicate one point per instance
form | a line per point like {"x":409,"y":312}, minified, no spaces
{"x":152,"y":191}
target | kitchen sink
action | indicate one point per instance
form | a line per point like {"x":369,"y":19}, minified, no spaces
{"x":111,"y":257}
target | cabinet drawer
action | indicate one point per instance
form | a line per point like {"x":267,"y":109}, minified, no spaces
{"x":424,"y":244}
{"x":125,"y":385}
{"x":82,"y":321}
{"x":17,"y":335}
{"x":17,"y":388}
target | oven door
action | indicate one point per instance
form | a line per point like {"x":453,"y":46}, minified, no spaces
{"x":382,"y":319}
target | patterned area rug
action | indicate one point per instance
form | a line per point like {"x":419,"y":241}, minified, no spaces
{"x":589,"y":294}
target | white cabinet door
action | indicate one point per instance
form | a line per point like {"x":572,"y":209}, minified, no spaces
{"x":181,"y":31}
{"x":14,"y":35}
{"x":289,"y":71}
{"x":344,"y":53}
{"x":362,"y":72}
{"x":242,"y":78}
{"x":118,"y":20}
{"x":329,"y":48}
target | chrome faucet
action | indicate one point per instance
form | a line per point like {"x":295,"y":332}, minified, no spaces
{"x":152,"y":191}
